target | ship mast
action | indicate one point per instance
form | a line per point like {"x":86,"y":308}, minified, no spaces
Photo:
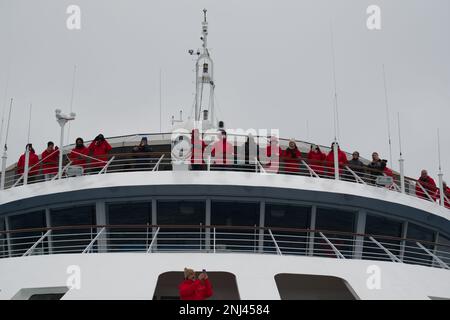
{"x":204,"y":80}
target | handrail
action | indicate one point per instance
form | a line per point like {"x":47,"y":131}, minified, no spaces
{"x":153,"y":241}
{"x":339,"y":255}
{"x":441,"y":263}
{"x":389,"y":253}
{"x":62,"y":171}
{"x":275,"y":242}
{"x":425,"y":191}
{"x":311,"y":171}
{"x":355,"y":175}
{"x":29,"y":251}
{"x":278,"y":229}
{"x":156,"y":167}
{"x":88,"y":248}
{"x":106,"y":166}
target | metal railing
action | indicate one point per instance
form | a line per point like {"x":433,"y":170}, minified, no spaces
{"x":162,"y":161}
{"x":221,"y":239}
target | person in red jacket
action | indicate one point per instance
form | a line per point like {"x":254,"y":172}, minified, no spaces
{"x":223,"y":152}
{"x":428,"y":184}
{"x":316,"y":159}
{"x":33,"y":160}
{"x":198,"y":147}
{"x":79,"y":154}
{"x":446,"y":193}
{"x":50,"y":158}
{"x":292,"y":158}
{"x":99,"y":148}
{"x":273,"y":153}
{"x":195,"y":289}
{"x":342,"y":160}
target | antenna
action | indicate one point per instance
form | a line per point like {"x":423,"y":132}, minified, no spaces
{"x":160,"y":100}
{"x":5,"y":154}
{"x":29,"y":123}
{"x":4,"y":101}
{"x":336,"y":114}
{"x":71,"y":101}
{"x":7,"y":125}
{"x":439,"y":150}
{"x":399,"y":135}
{"x":307,"y":130}
{"x":387,"y":116}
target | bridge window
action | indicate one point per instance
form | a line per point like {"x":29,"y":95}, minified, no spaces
{"x":22,"y":241}
{"x":414,"y":254}
{"x":334,"y":220}
{"x":129,"y":213}
{"x":3,"y":244}
{"x":313,"y":287}
{"x":381,"y":226}
{"x":77,"y":239}
{"x":225,"y":213}
{"x":443,"y":249}
{"x":181,"y":213}
{"x":223,"y":284}
{"x":287,"y":216}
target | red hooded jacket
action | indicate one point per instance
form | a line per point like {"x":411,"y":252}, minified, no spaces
{"x":292,"y":159}
{"x":429,"y":185}
{"x":32,"y":161}
{"x":77,"y":158}
{"x":50,"y":161}
{"x":447,"y":194}
{"x":99,"y":151}
{"x":195,"y":289}
{"x":342,"y":160}
{"x":225,"y":152}
{"x":316,"y":161}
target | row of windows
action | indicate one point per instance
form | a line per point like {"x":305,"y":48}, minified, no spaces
{"x":224,"y":213}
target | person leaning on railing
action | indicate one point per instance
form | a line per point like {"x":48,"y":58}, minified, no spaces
{"x":140,"y":156}
{"x":375,"y":168}
{"x":428,"y":184}
{"x":291,"y":158}
{"x":33,"y":160}
{"x":78,"y":155}
{"x":195,"y":289}
{"x":356,"y":165}
{"x":49,"y":158}
{"x":342,"y":160}
{"x":316,"y":159}
{"x":99,"y":148}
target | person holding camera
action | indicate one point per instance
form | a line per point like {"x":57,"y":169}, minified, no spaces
{"x":99,"y":148}
{"x":195,"y":289}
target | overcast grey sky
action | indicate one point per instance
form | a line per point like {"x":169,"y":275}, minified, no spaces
{"x":273,"y":69}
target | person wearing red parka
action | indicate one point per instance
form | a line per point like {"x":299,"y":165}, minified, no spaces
{"x":316,"y":159}
{"x":195,"y":289}
{"x":428,"y":184}
{"x":33,"y":160}
{"x":79,"y":154}
{"x":292,"y":158}
{"x":99,"y":148}
{"x":50,"y":158}
{"x":198,"y":147}
{"x":342,"y":160}
{"x":223,"y":152}
{"x":446,"y":193}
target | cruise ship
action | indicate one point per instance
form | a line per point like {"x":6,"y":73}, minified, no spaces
{"x":126,"y":226}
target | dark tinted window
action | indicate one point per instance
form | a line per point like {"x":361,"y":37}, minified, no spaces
{"x":443,"y":249}
{"x":181,"y":213}
{"x":129,"y":213}
{"x":414,"y":254}
{"x":380,"y":226}
{"x":236,"y":214}
{"x":330,"y":220}
{"x":73,"y":240}
{"x":22,"y":241}
{"x":287,"y":216}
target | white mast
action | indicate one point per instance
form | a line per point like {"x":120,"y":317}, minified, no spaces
{"x":5,"y":153}
{"x":335,"y":113}
{"x":204,"y":79}
{"x":387,"y":117}
{"x":401,"y":160}
{"x":440,"y":174}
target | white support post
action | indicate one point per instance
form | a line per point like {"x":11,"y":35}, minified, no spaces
{"x":312,"y":227}
{"x":262,"y":213}
{"x":91,"y":244}
{"x":30,"y":251}
{"x":100,"y":218}
{"x":150,"y":247}
{"x":27,"y":164}
{"x":338,"y":254}
{"x":402,"y":174}
{"x":441,"y":263}
{"x":359,"y":240}
{"x":441,"y":188}
{"x":336,"y":160}
{"x":275,"y":242}
{"x":392,"y":256}
{"x":3,"y":177}
{"x":207,"y":224}
{"x":61,"y":151}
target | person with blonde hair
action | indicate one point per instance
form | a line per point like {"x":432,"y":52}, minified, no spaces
{"x":193,"y":288}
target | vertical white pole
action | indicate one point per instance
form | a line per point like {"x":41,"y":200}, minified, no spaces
{"x":27,"y":163}
{"x":336,"y":160}
{"x":61,"y":149}
{"x":2,"y":181}
{"x":402,"y":174}
{"x":440,"y":174}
